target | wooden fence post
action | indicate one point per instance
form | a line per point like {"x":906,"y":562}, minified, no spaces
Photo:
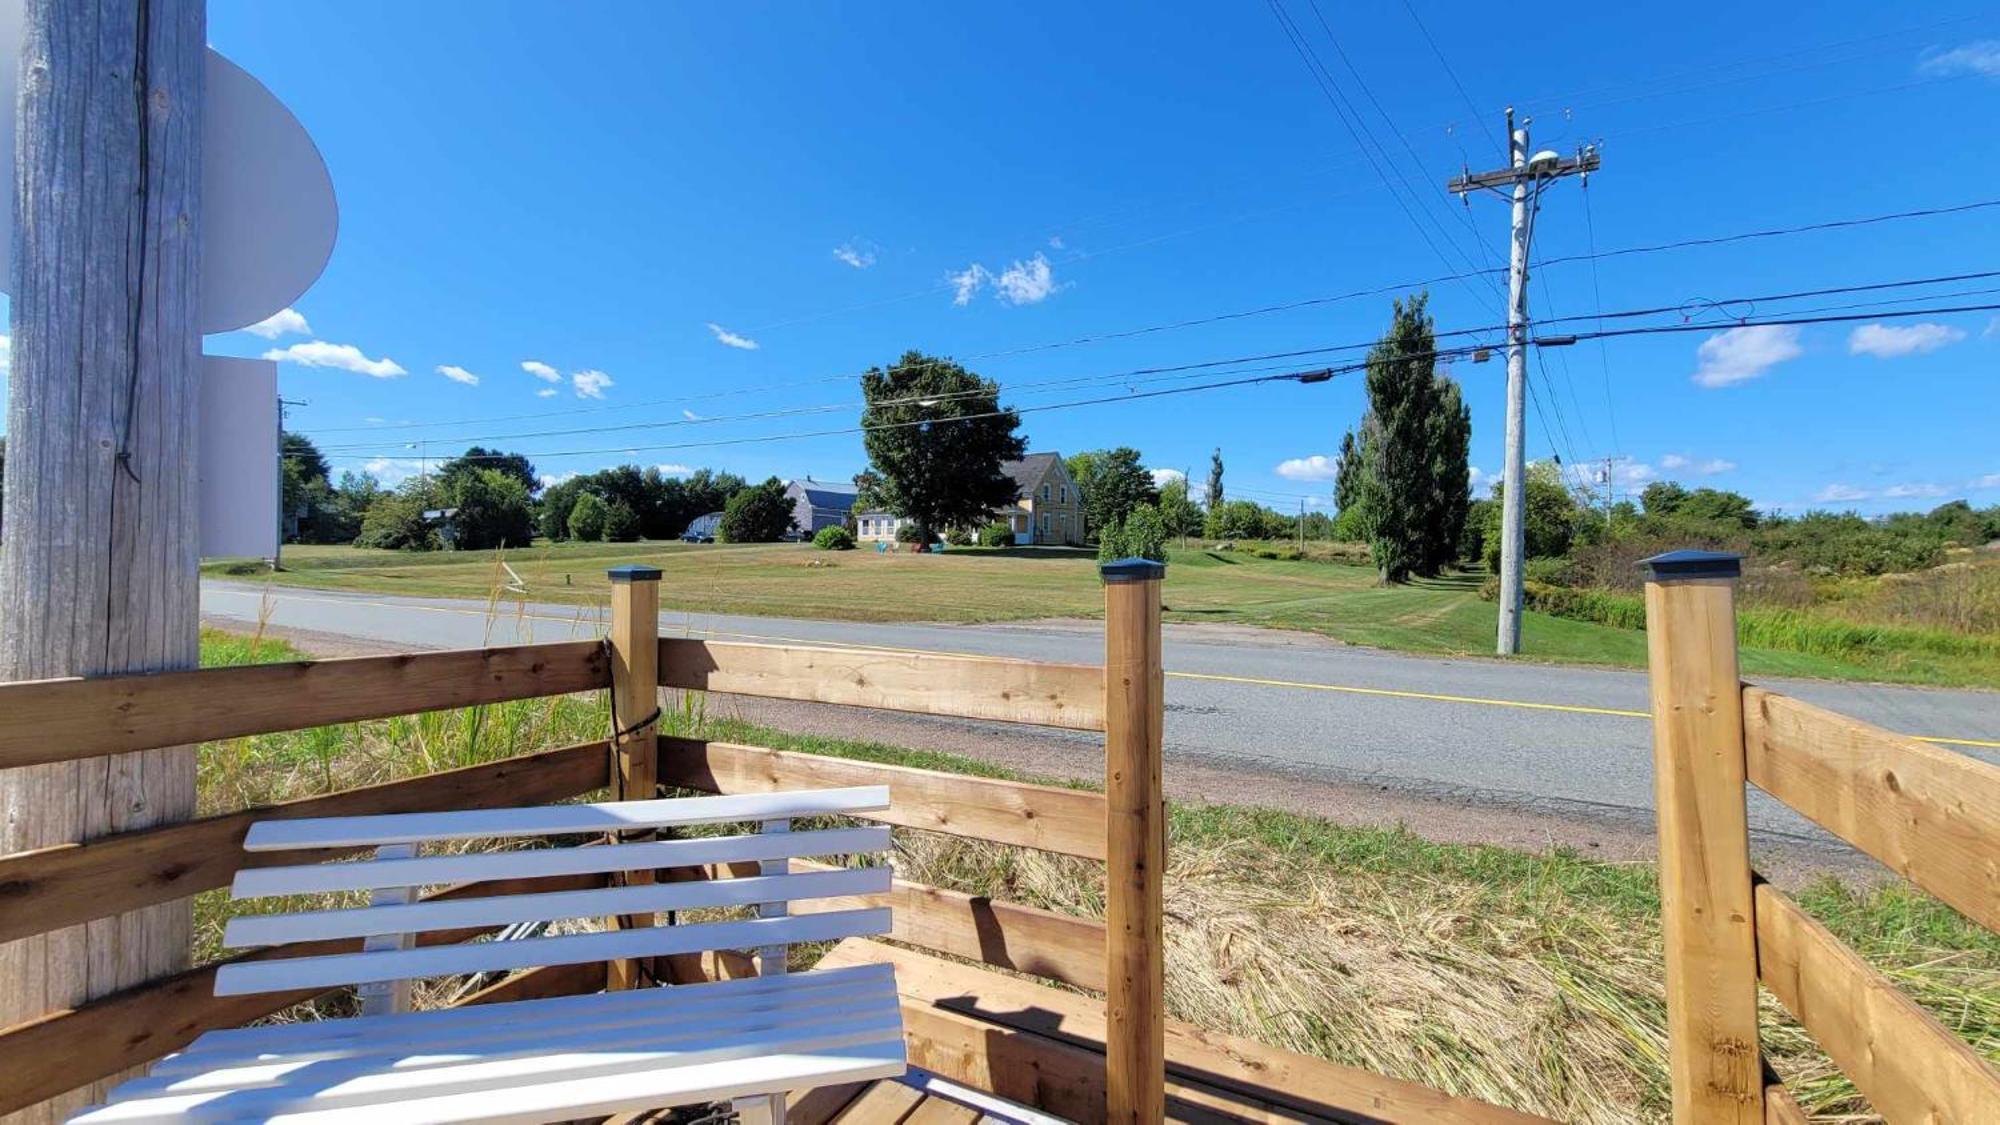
{"x":635,"y":693}
{"x":1698,"y":786}
{"x":1135,"y":850}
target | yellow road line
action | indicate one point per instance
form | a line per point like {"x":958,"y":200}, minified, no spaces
{"x":1393,"y":693}
{"x":1344,"y":689}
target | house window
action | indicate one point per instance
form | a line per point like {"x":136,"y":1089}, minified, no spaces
{"x":1065,"y":494}
{"x":1045,"y":492}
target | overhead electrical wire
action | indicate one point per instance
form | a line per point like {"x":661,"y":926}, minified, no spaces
{"x":1688,"y":310}
{"x":1303,"y":377}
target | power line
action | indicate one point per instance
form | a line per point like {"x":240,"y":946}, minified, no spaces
{"x":1453,"y":75}
{"x":1303,"y":377}
{"x":1170,"y":372}
{"x":1597,"y":298}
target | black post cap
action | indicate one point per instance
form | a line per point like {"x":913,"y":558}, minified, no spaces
{"x":1692,"y":564}
{"x":634,"y":572}
{"x":1132,"y":570}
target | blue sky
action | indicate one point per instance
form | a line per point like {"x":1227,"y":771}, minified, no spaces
{"x":697,"y":211}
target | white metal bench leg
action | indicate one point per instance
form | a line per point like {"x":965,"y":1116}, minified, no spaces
{"x":772,"y":960}
{"x":384,"y":997}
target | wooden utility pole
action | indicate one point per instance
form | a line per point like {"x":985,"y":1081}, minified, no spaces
{"x":1522,"y":181}
{"x":98,"y":564}
{"x":1705,"y":892}
{"x":1135,"y":846}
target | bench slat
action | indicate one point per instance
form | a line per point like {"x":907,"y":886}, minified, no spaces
{"x":694,"y":1005}
{"x":546,"y":1087}
{"x":783,"y":1018}
{"x":442,"y":960}
{"x":556,"y":820}
{"x":640,"y":898}
{"x":478,"y":867}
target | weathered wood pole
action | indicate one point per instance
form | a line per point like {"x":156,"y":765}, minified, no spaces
{"x":1135,"y":845}
{"x":1705,"y":895}
{"x":98,"y":563}
{"x":635,"y":691}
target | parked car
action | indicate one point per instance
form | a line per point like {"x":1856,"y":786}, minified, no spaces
{"x":702,"y":529}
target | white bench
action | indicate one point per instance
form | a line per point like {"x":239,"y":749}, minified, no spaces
{"x":749,"y":1040}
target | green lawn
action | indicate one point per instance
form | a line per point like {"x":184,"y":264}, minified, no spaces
{"x":1442,"y":616}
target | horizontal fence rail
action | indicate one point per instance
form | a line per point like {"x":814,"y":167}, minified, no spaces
{"x":1910,"y":1067}
{"x":62,"y":720}
{"x":966,"y":687}
{"x":1045,"y":817}
{"x":1929,"y":814}
{"x":63,"y":885}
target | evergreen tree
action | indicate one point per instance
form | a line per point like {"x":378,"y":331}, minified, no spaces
{"x":1214,"y":499}
{"x":1411,"y":485}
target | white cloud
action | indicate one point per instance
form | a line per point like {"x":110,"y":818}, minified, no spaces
{"x":1978,"y":57}
{"x":1740,"y":354}
{"x":541,"y":371}
{"x":690,"y":415}
{"x":392,"y":471}
{"x":967,"y":282}
{"x":1632,"y":473}
{"x":1164,"y":477}
{"x":590,"y":384}
{"x":1913,"y":491}
{"x":860,"y":255}
{"x":1056,"y":242}
{"x":546,"y":392}
{"x":458,"y":374}
{"x":1316,"y":467}
{"x":548,"y":479}
{"x":1026,"y":283}
{"x":730,"y":339}
{"x":1841,"y":494}
{"x":1887,"y":341}
{"x":1990,"y":480}
{"x":6,"y":353}
{"x":672,"y":470}
{"x":346,"y":357}
{"x":284,"y":322}
{"x":1678,"y":462}
{"x":1992,"y":327}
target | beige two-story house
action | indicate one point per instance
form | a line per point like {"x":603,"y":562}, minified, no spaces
{"x":1050,"y":510}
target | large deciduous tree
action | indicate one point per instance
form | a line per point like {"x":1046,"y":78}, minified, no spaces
{"x":936,"y":436}
{"x":761,"y":513}
{"x":1113,"y":482}
{"x":1409,"y":480}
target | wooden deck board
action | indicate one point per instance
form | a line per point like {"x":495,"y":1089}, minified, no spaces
{"x":884,"y":1103}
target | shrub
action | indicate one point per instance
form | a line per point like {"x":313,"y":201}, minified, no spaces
{"x":908,"y":532}
{"x":996,"y":535}
{"x":958,"y":537}
{"x":1265,"y":553}
{"x":587,"y":518}
{"x":1555,"y":572}
{"x":493,"y":509}
{"x":759,"y":513}
{"x":834,"y":538}
{"x":1142,"y":534}
{"x":621,"y":523}
{"x":395,"y":521}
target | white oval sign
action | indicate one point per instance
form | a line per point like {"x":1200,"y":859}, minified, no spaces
{"x":268,"y":212}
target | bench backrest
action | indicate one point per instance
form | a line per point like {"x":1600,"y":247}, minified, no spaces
{"x":398,"y":869}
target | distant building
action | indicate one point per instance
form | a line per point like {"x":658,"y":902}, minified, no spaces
{"x":1047,"y":511}
{"x":702,"y":528}
{"x":818,"y":504}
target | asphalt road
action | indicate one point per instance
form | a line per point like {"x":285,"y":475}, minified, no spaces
{"x":1552,"y":738}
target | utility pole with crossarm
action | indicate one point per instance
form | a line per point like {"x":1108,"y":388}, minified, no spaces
{"x":1526,"y":176}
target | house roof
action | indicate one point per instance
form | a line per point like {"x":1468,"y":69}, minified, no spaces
{"x":827,"y":494}
{"x":1028,"y":470}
